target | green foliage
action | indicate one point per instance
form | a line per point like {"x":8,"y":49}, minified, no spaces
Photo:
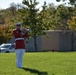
{"x":34,"y":19}
{"x":72,"y":23}
{"x":62,"y":14}
{"x":49,"y":17}
{"x":2,"y":19}
{"x":72,"y":2}
{"x":5,"y":34}
{"x":58,"y":0}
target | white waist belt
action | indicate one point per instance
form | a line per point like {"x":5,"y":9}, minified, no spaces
{"x":19,"y":39}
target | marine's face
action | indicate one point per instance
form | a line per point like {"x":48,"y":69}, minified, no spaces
{"x":18,"y":27}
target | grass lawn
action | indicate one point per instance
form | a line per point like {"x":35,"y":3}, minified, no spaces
{"x":39,"y":63}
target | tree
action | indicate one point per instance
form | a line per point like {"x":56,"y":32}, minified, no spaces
{"x":61,"y":16}
{"x":1,"y":19}
{"x":5,"y":33}
{"x":33,"y":20}
{"x":72,"y":27}
{"x":10,"y":15}
{"x":72,"y":2}
{"x":66,"y":21}
{"x":72,"y":24}
{"x":49,"y":19}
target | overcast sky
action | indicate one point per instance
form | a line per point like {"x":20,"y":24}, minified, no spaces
{"x":6,"y":3}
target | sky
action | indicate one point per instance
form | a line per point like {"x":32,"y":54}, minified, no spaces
{"x":6,"y":3}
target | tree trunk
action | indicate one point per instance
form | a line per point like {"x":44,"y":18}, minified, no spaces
{"x":72,"y":41}
{"x":35,"y":43}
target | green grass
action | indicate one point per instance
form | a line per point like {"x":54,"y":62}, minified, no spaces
{"x":39,"y":63}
